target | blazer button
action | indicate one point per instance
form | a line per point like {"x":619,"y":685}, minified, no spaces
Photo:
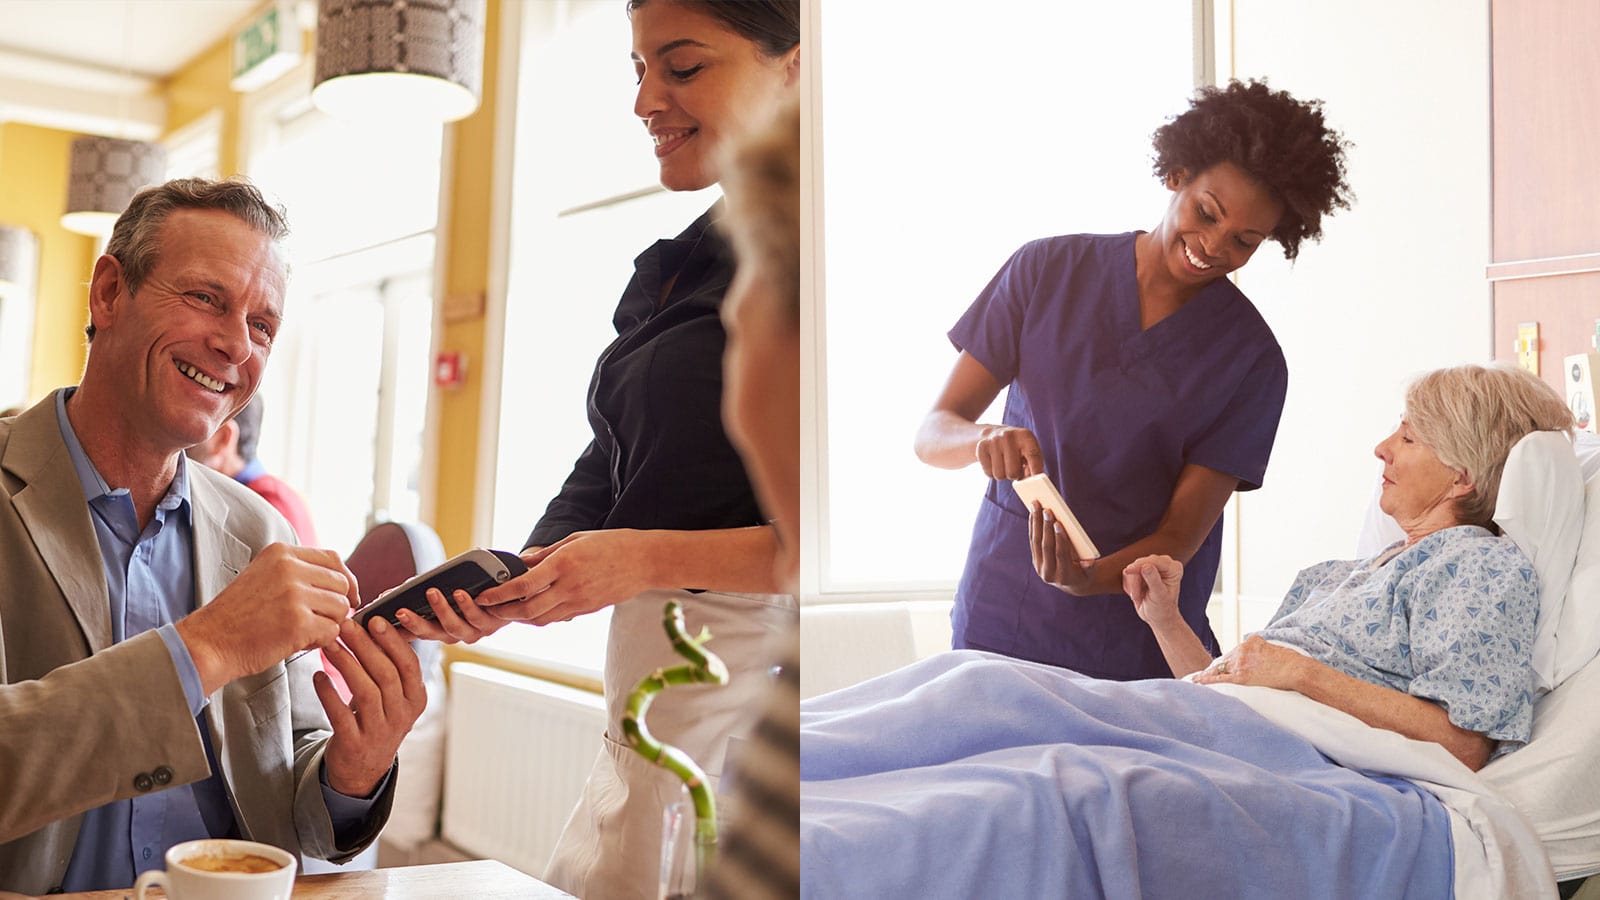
{"x":142,"y":782}
{"x":162,"y":775}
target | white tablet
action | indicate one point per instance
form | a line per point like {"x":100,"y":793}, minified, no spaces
{"x":1040,"y":489}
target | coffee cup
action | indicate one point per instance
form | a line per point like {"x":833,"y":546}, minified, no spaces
{"x":220,"y":869}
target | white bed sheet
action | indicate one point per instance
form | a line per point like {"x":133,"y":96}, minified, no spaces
{"x":1555,"y":780}
{"x":1497,"y":852}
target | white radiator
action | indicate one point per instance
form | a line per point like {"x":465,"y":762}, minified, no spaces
{"x":517,"y":752}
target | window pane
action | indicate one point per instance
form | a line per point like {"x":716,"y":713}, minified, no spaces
{"x":1028,"y":120}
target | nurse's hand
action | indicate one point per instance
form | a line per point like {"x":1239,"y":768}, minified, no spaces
{"x":1053,"y":557}
{"x":582,"y":572}
{"x":1152,"y":583}
{"x":1009,"y":452}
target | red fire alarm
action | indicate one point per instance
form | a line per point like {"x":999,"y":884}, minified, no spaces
{"x":449,"y":369}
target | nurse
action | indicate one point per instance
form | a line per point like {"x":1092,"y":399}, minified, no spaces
{"x":1142,"y":381}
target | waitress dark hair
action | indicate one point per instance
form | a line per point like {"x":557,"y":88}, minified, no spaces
{"x":772,"y":25}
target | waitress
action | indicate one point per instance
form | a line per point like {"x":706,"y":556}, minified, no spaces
{"x":658,"y":506}
{"x":1142,"y":381}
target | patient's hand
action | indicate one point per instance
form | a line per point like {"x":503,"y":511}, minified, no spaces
{"x":1152,"y":583}
{"x":1053,"y":555}
{"x":1259,"y":662}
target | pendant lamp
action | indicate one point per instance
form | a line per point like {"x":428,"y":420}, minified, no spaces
{"x":19,"y":255}
{"x":399,"y":59}
{"x":105,"y":174}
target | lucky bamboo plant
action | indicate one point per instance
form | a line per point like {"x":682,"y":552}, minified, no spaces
{"x":704,"y":667}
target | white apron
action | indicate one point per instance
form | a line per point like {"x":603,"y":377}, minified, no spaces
{"x":611,"y":846}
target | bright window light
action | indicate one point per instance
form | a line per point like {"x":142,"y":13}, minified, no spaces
{"x":949,"y":141}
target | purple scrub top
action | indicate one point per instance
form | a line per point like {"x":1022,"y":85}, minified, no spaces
{"x":1118,"y":413}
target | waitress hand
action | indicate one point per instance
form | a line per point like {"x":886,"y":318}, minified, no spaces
{"x":467,"y":627}
{"x":1053,"y":556}
{"x":1152,"y":583}
{"x":583,"y":572}
{"x":1009,"y":452}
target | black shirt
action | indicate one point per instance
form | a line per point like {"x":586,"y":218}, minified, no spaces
{"x":660,"y":457}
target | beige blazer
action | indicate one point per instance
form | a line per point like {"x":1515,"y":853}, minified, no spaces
{"x":84,"y":723}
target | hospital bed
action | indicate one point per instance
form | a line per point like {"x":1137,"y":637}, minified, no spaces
{"x":1550,"y":503}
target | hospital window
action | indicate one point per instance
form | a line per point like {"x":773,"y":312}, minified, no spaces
{"x":947,"y":142}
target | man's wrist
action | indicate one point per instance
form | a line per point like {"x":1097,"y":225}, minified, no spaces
{"x":356,"y":788}
{"x":208,"y":663}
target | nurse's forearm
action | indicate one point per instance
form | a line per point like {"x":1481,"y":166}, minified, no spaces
{"x":742,"y":560}
{"x":948,"y":441}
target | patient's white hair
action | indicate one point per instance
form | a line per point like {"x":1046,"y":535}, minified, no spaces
{"x":1473,"y":415}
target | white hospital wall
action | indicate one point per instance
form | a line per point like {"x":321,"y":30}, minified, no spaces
{"x":1397,"y":285}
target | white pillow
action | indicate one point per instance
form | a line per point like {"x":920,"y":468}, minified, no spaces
{"x":1587,"y":446}
{"x":1578,"y":633}
{"x":1541,"y":507}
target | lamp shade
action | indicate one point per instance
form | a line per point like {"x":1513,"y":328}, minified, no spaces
{"x":399,"y":58}
{"x":19,"y":257}
{"x":105,"y":174}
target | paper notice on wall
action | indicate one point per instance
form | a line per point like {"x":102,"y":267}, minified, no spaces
{"x":1579,"y":376}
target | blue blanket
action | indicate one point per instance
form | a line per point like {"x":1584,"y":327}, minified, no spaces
{"x":973,"y":775}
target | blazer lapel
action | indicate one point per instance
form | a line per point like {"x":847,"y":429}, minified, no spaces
{"x":52,"y":508}
{"x":218,"y":556}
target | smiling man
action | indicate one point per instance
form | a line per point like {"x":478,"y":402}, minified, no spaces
{"x":147,"y":606}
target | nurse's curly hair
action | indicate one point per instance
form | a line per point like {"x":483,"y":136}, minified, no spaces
{"x":1280,"y":142}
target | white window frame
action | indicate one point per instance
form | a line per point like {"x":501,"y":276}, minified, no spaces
{"x":256,"y":109}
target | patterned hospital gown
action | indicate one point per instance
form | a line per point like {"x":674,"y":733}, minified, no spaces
{"x":1449,"y":619}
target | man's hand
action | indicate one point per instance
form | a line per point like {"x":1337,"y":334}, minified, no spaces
{"x":580,"y":573}
{"x":288,"y":599}
{"x":386,"y":697}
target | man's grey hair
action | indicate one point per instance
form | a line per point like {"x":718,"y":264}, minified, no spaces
{"x":136,"y":239}
{"x":1471,"y":416}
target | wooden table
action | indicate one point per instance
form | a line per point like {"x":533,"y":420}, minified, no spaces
{"x":483,"y":879}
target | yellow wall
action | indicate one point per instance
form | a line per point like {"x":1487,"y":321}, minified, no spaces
{"x":203,"y":86}
{"x":33,"y":192}
{"x":466,"y":249}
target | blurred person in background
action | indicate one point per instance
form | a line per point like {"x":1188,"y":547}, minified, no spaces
{"x":232,"y":451}
{"x":759,"y":856}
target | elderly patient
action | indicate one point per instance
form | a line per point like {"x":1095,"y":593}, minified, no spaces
{"x":968,"y":760}
{"x":1433,"y":637}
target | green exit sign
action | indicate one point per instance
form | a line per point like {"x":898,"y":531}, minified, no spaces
{"x":266,"y":47}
